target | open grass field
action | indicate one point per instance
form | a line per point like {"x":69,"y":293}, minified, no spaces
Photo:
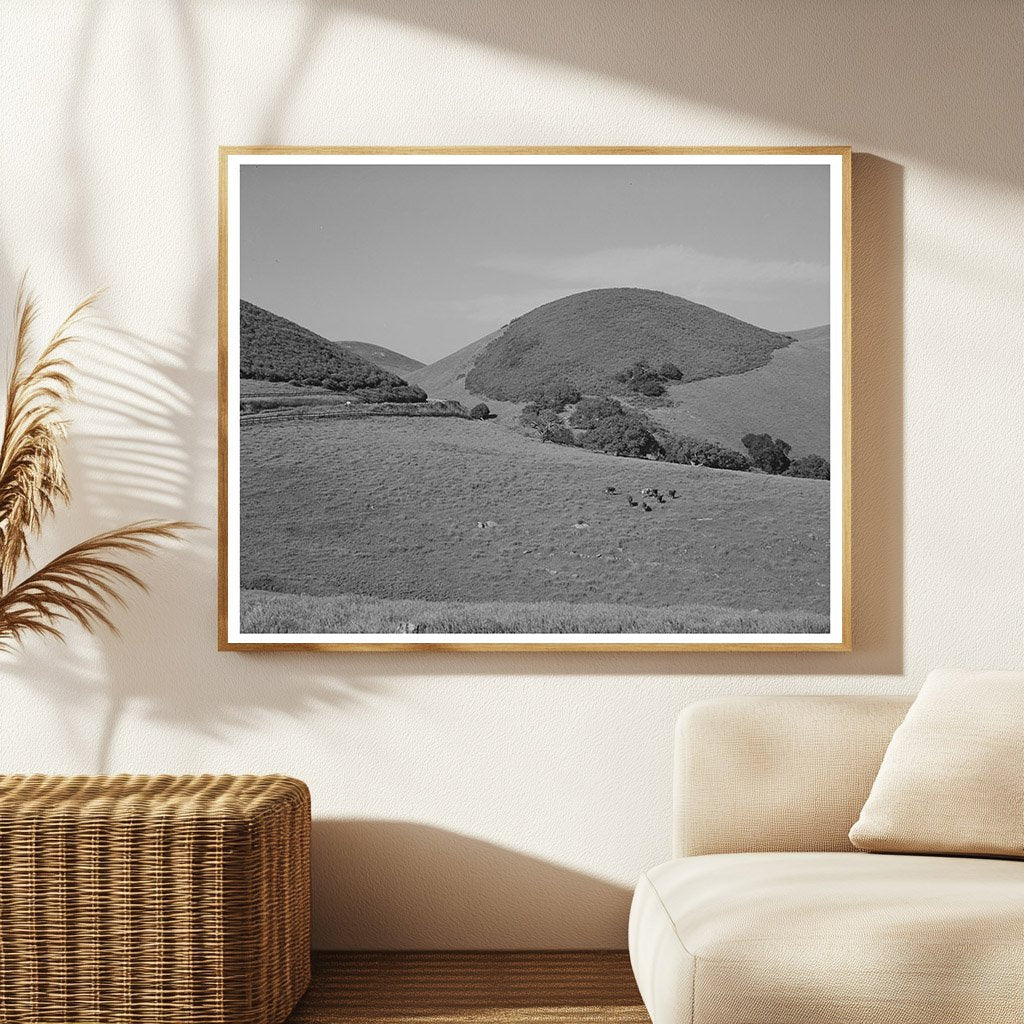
{"x":787,"y":398}
{"x":470,"y":513}
{"x":266,"y":612}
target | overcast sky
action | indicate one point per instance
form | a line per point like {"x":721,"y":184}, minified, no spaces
{"x":426,"y":259}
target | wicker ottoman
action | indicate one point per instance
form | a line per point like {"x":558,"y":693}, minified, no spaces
{"x":132,"y":899}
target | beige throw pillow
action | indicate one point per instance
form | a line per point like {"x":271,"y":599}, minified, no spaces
{"x":952,"y":780}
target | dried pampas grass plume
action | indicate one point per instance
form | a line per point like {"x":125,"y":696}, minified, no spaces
{"x":84,"y":582}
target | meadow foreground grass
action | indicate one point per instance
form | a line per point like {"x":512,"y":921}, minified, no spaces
{"x":470,"y":514}
{"x":265,"y":612}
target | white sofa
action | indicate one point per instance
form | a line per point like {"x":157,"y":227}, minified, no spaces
{"x":767,"y":914}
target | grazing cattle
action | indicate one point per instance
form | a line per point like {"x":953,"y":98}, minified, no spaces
{"x":629,"y":498}
{"x":672,"y":494}
{"x":646,"y":507}
{"x":661,"y":500}
{"x":609,"y":490}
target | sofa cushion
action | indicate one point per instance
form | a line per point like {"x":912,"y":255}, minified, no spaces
{"x":950,"y":781}
{"x":833,"y":938}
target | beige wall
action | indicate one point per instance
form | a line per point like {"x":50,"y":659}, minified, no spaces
{"x":502,"y":800}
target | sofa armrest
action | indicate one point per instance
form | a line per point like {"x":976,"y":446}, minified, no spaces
{"x":760,"y":774}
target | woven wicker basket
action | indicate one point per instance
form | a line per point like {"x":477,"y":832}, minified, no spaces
{"x":137,"y":900}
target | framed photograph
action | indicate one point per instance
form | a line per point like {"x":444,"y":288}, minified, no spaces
{"x":572,"y":399}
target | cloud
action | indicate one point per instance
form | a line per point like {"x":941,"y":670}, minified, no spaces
{"x":672,"y":268}
{"x":733,"y":284}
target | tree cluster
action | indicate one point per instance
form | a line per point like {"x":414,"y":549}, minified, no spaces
{"x":554,"y":396}
{"x":548,"y":424}
{"x":402,"y":393}
{"x":605,"y":425}
{"x":646,"y":380}
{"x":812,"y":467}
{"x":624,"y":434}
{"x":771,"y":455}
{"x":589,"y":411}
{"x":698,"y":451}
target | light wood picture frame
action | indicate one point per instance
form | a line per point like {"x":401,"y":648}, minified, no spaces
{"x":508,"y":399}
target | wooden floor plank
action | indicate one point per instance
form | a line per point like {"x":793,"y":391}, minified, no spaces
{"x":472,"y":988}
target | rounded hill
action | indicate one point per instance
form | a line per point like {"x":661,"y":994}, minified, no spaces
{"x":276,"y":349}
{"x":590,"y":338}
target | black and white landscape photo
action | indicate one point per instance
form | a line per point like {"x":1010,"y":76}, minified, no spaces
{"x":534,"y":399}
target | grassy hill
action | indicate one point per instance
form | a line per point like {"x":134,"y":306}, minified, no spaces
{"x":788,"y":397}
{"x":386,"y":358}
{"x":275,"y":349}
{"x":451,"y":371}
{"x":590,"y":337}
{"x":459,"y":512}
{"x":447,"y":379}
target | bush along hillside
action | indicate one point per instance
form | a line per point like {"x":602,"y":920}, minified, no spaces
{"x":645,"y":380}
{"x":273,"y":348}
{"x":605,"y":425}
{"x":600,"y":341}
{"x":812,"y":467}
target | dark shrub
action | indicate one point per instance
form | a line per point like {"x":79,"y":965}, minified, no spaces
{"x":694,"y":451}
{"x":813,"y":467}
{"x":533,"y":416}
{"x":768,"y":454}
{"x":622,"y":435}
{"x":479,"y":412}
{"x":556,"y":396}
{"x":557,"y":432}
{"x":407,"y":393}
{"x":590,"y":410}
{"x":648,"y":381}
{"x":635,"y":374}
{"x":449,"y":405}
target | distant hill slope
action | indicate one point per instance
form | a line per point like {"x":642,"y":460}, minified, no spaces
{"x":273,"y":348}
{"x":447,"y":377}
{"x":386,"y":358}
{"x":787,"y":398}
{"x":589,"y":337}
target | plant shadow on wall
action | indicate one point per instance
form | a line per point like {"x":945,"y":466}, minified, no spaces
{"x":146,"y":446}
{"x":133,"y":454}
